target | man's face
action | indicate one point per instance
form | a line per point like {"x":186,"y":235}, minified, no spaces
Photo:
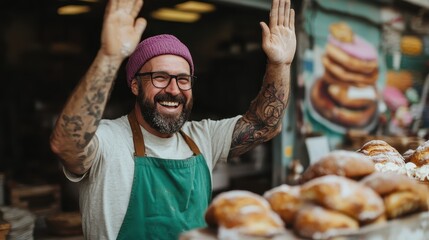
{"x":165,"y":110}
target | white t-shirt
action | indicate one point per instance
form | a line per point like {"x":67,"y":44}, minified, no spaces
{"x":105,"y":189}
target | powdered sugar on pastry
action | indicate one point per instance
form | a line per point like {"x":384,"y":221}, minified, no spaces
{"x":409,"y":169}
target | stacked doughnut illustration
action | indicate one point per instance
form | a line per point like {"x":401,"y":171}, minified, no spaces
{"x":346,"y":93}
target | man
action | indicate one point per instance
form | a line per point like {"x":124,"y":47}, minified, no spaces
{"x":147,"y":175}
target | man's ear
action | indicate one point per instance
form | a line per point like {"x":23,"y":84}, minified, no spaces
{"x":134,"y":87}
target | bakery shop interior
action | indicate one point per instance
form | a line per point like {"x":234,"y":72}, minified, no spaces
{"x":349,"y":160}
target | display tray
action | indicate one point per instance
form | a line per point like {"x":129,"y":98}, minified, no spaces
{"x":414,"y":227}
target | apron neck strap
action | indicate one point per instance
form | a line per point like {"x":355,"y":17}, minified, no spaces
{"x":190,"y":143}
{"x":138,"y":140}
{"x":137,"y":135}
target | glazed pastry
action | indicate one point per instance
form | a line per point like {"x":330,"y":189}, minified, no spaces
{"x":352,"y":96}
{"x":316,"y":222}
{"x":342,"y":32}
{"x":344,"y":75}
{"x":420,"y":156}
{"x":381,"y":152}
{"x":343,"y":116}
{"x":344,"y":195}
{"x":243,"y":213}
{"x":285,"y":200}
{"x":342,"y":163}
{"x":346,"y":94}
{"x":354,"y":64}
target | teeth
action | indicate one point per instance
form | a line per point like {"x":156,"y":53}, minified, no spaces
{"x":170,"y":104}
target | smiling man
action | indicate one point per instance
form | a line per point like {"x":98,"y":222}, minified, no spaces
{"x":147,"y":175}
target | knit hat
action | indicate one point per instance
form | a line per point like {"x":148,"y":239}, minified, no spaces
{"x":155,"y":46}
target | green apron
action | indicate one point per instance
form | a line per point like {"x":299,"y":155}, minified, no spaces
{"x":168,"y":196}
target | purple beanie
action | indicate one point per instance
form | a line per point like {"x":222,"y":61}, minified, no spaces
{"x":155,"y":46}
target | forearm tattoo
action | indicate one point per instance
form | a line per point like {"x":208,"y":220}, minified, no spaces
{"x":86,"y":108}
{"x":261,"y":121}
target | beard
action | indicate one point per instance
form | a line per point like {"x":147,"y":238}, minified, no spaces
{"x":166,"y":124}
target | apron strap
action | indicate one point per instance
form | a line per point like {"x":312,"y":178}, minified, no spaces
{"x":139,"y":149}
{"x":139,"y":146}
{"x":190,"y":143}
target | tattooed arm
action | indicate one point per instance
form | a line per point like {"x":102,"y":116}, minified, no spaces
{"x":73,"y":136}
{"x":263,"y":119}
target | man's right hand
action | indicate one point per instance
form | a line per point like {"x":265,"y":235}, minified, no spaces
{"x":121,"y":30}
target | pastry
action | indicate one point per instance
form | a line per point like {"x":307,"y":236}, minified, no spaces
{"x":407,"y":154}
{"x":401,"y":80}
{"x":342,"y":32}
{"x":316,"y":222}
{"x":342,"y":163}
{"x":351,"y":96}
{"x":285,"y":200}
{"x":381,"y":152}
{"x":401,"y":203}
{"x":326,"y":107}
{"x":328,"y":78}
{"x":350,"y":62}
{"x":346,"y":92}
{"x":344,"y":195}
{"x":244,"y":213}
{"x":344,"y":75}
{"x":420,"y":156}
{"x":402,"y":195}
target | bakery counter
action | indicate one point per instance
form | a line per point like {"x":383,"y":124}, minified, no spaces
{"x":414,"y":227}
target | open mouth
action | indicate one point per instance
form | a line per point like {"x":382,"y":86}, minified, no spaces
{"x":169,"y":104}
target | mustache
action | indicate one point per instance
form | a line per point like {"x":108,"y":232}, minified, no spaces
{"x":170,"y":98}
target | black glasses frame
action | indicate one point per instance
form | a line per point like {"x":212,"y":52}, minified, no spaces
{"x":192,"y":78}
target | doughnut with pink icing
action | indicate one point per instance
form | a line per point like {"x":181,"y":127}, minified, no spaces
{"x":359,"y":48}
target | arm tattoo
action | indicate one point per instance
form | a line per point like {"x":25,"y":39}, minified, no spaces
{"x":260,"y":122}
{"x":82,"y":115}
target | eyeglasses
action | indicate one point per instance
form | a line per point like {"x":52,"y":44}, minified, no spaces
{"x":162,"y":79}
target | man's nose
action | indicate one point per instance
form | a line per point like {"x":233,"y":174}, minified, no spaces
{"x":172,"y":87}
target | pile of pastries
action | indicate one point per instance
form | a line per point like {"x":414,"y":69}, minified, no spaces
{"x":414,"y":162}
{"x":339,"y":194}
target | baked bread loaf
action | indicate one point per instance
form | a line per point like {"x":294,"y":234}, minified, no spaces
{"x":342,"y":163}
{"x":401,"y":194}
{"x":285,"y":200}
{"x":381,"y":152}
{"x":240,"y":212}
{"x":420,"y":156}
{"x":344,"y":195}
{"x":316,"y":222}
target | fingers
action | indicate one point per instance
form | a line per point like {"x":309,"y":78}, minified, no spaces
{"x":109,"y":8}
{"x":140,"y":26}
{"x":274,"y":13}
{"x":281,"y":13}
{"x":287,"y":9}
{"x":282,"y":17}
{"x":136,"y":8}
{"x":292,"y":20}
{"x":265,"y":29}
{"x":129,"y":6}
